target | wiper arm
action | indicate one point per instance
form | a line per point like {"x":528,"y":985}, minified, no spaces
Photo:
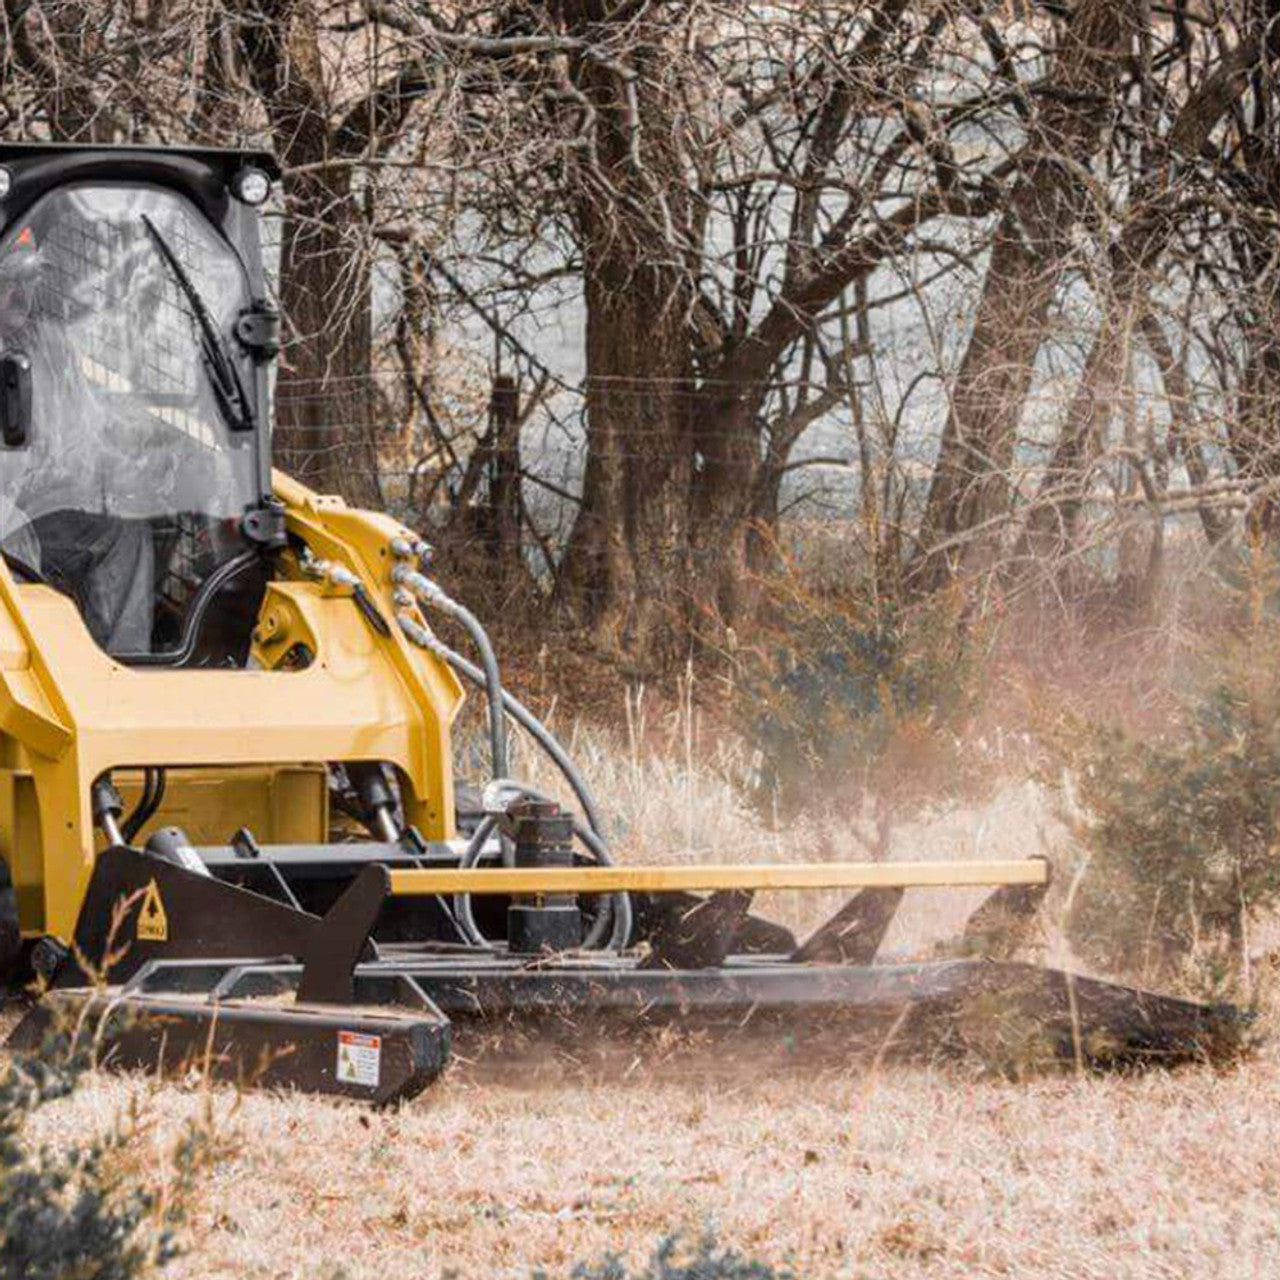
{"x":227,"y":387}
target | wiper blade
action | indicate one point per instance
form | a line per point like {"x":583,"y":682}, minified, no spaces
{"x":25,"y":571}
{"x":227,"y":387}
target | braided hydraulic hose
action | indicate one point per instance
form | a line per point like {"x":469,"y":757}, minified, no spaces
{"x":591,"y":833}
{"x":431,"y":593}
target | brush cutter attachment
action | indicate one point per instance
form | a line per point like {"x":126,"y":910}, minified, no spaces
{"x":207,"y":974}
{"x":175,"y":609}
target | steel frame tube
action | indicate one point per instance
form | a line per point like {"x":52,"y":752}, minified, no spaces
{"x":712,"y":877}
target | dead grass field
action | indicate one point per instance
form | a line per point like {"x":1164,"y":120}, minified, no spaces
{"x":898,"y":1173}
{"x":872,"y":1171}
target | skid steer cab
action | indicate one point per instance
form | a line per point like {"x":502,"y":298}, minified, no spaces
{"x":227,"y":810}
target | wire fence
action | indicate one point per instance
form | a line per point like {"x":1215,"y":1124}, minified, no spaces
{"x":507,"y":475}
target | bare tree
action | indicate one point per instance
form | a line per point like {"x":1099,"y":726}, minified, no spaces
{"x":1066,"y":123}
{"x":722,"y":177}
{"x":741,"y":202}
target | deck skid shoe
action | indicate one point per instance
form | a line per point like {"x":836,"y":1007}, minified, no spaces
{"x":146,"y":914}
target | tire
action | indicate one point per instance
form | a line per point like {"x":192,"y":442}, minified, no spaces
{"x":11,"y":957}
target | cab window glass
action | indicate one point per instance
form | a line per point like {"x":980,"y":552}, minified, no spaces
{"x":128,"y":493}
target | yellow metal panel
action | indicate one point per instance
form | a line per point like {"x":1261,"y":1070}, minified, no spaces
{"x":822,"y":875}
{"x":68,"y":712}
{"x":24,"y":852}
{"x":25,"y":714}
{"x":14,"y":654}
{"x":280,"y":805}
{"x":300,"y":805}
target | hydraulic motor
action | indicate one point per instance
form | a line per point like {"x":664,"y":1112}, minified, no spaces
{"x":543,"y":836}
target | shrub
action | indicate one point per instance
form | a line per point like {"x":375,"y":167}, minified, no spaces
{"x":850,"y":701}
{"x":76,"y":1213}
{"x":1180,"y":830}
{"x":708,"y":1262}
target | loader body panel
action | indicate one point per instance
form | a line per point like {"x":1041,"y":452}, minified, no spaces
{"x":74,"y":713}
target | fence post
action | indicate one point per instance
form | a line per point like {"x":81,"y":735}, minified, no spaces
{"x":504,"y":473}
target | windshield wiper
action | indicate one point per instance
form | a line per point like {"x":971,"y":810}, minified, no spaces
{"x":227,"y":387}
{"x":28,"y":573}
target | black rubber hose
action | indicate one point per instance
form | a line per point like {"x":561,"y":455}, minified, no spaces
{"x":492,"y":687}
{"x":152,"y":797}
{"x":491,"y":679}
{"x":214,"y":583}
{"x":133,"y":823}
{"x":539,"y":732}
{"x":463,"y":916}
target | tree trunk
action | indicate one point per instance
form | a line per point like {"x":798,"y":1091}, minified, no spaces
{"x":1051,"y":524}
{"x":325,"y":432}
{"x":625,"y":568}
{"x":58,"y":44}
{"x":504,"y":482}
{"x":1216,"y":525}
{"x":1254,"y":431}
{"x":726,"y":499}
{"x":626,"y":562}
{"x":970,"y":484}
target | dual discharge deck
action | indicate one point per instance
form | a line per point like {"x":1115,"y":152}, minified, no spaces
{"x":211,"y":974}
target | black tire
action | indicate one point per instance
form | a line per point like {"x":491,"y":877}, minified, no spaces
{"x":12,"y":966}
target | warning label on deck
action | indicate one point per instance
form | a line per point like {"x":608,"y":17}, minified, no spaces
{"x":153,"y":924}
{"x":359,"y":1058}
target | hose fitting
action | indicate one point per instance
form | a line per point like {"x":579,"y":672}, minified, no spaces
{"x":336,"y":575}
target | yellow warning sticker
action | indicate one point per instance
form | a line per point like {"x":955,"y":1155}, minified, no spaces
{"x":153,"y":924}
{"x":359,"y":1059}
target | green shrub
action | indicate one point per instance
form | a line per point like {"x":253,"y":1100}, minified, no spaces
{"x":846,"y":702}
{"x":75,"y":1213}
{"x":1180,"y":831}
{"x":708,"y":1262}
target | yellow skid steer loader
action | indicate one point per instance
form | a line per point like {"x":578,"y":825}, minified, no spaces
{"x":209,"y":675}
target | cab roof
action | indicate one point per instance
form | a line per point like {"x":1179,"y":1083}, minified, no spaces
{"x":226,"y":160}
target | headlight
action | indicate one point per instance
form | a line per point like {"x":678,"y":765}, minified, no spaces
{"x":251,"y":185}
{"x":6,"y":182}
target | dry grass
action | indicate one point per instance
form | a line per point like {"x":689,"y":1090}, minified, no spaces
{"x":869,"y":1171}
{"x":908,"y":1173}
{"x":670,"y":789}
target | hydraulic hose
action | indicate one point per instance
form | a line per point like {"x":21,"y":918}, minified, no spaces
{"x":409,"y":579}
{"x":148,"y":803}
{"x":520,"y":714}
{"x":591,"y":833}
{"x":199,"y":607}
{"x":430,"y":593}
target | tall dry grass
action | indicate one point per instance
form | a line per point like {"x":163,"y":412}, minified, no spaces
{"x":675,"y":789}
